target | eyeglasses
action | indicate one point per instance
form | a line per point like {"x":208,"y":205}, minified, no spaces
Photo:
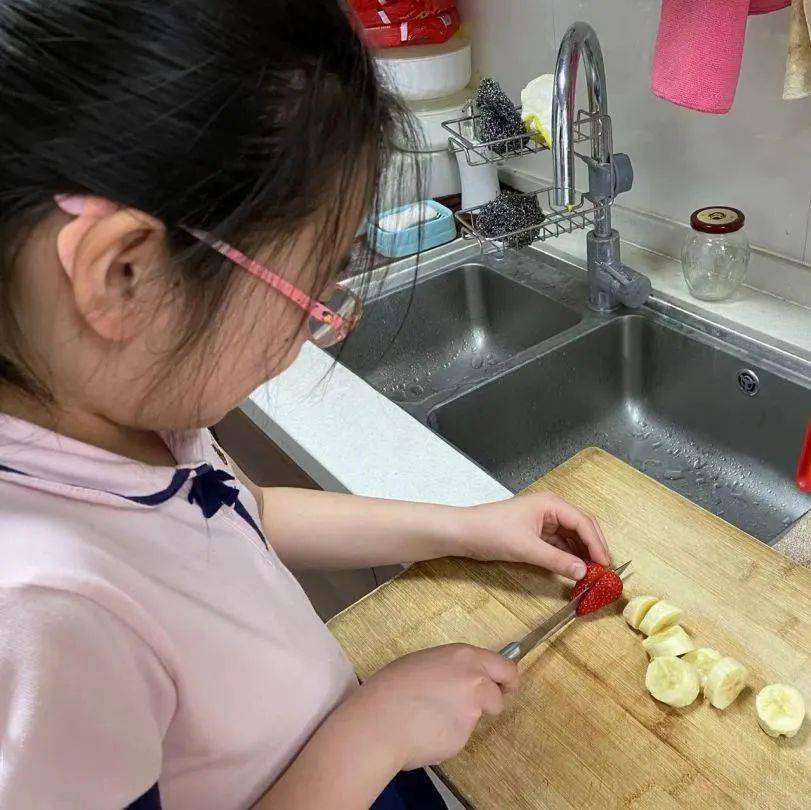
{"x":328,"y":323}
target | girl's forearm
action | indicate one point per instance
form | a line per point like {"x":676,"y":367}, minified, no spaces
{"x":325,"y":529}
{"x":346,"y":765}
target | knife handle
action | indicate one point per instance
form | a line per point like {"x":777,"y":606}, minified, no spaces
{"x":512,"y":651}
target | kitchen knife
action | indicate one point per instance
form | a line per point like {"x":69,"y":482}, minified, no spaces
{"x":516,"y":650}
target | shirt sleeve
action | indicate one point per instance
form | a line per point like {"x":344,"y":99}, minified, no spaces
{"x":84,"y":704}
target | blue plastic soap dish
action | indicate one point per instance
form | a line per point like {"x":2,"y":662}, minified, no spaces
{"x":423,"y":236}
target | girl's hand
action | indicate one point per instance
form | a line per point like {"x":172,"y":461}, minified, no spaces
{"x":426,"y":705}
{"x":540,"y":528}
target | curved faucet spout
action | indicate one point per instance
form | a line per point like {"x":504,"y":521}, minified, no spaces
{"x":579,"y":40}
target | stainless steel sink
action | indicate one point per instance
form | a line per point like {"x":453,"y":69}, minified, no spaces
{"x":668,"y":404}
{"x":713,"y":413}
{"x":415,"y":341}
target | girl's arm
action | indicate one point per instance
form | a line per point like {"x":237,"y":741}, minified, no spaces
{"x":310,"y":529}
{"x":324,"y":529}
{"x":346,"y":765}
{"x":419,"y":710}
{"x":313,"y":529}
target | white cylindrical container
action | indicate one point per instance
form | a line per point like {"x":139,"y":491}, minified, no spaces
{"x":479,"y":183}
{"x":437,"y":165}
{"x":424,"y":72}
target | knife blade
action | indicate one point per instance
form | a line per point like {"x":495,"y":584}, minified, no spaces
{"x":516,"y":650}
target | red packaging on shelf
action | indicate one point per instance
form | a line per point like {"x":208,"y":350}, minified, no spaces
{"x":394,"y":12}
{"x":430,"y":31}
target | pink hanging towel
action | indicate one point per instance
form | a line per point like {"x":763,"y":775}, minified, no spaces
{"x":697,"y":57}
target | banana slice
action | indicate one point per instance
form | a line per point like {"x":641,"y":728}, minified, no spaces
{"x":725,"y":682}
{"x":669,"y":643}
{"x":703,"y":659}
{"x":780,"y":709}
{"x":636,"y":609}
{"x":672,"y":681}
{"x":659,"y":617}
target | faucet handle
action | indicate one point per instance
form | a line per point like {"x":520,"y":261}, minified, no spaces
{"x":633,"y":288}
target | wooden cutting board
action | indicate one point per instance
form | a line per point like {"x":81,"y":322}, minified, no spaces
{"x":582,"y":730}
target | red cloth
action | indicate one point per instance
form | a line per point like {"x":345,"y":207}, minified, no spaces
{"x":804,"y":464}
{"x":431,"y":30}
{"x":765,"y":6}
{"x":698,"y":51}
{"x":394,"y":12}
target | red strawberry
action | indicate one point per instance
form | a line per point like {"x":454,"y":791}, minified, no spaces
{"x":593,"y":572}
{"x":606,"y":590}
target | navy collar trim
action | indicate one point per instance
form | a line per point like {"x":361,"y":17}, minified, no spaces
{"x":209,"y":490}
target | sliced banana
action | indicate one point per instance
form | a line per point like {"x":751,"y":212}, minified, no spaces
{"x":703,"y":659}
{"x":659,"y":617}
{"x":669,"y":643}
{"x":725,"y":682}
{"x":780,"y":709}
{"x":636,"y":609}
{"x":672,"y":681}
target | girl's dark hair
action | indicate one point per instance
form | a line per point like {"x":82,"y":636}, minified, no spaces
{"x":247,"y":118}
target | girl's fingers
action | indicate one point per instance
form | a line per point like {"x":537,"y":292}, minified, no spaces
{"x":563,"y":543}
{"x":499,"y":669}
{"x":492,"y":698}
{"x":556,"y":559}
{"x":570,"y":517}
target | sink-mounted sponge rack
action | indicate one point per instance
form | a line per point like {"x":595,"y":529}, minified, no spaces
{"x":553,"y":220}
{"x":462,"y":138}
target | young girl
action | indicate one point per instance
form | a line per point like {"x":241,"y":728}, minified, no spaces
{"x":154,"y":648}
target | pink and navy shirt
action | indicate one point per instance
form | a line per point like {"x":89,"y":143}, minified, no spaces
{"x":153,"y":647}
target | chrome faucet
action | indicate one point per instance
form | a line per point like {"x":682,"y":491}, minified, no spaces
{"x":611,"y":283}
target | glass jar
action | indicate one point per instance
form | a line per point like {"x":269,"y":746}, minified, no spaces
{"x":715,"y":255}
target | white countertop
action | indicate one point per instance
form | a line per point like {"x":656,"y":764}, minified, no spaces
{"x":350,"y":438}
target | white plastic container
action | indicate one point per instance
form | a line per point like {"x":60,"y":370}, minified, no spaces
{"x":438,"y":167}
{"x":424,"y":72}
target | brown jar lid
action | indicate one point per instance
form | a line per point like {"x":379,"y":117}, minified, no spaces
{"x":717,"y":219}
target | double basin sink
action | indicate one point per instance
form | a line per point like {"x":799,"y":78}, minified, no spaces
{"x":502,"y":358}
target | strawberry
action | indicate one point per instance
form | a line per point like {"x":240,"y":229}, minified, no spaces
{"x":593,"y":572}
{"x":606,"y":590}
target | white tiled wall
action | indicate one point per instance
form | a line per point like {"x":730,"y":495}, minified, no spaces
{"x":757,"y":157}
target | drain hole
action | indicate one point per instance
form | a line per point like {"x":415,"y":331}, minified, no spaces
{"x":748,"y":382}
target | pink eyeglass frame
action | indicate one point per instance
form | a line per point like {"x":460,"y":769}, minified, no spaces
{"x":339,"y":325}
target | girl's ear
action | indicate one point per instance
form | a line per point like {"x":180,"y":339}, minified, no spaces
{"x":110,"y":255}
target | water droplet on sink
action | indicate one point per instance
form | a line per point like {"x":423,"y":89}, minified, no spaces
{"x":699,"y":463}
{"x":700,"y":479}
{"x":674,"y":475}
{"x":416,"y":390}
{"x":656,"y":445}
